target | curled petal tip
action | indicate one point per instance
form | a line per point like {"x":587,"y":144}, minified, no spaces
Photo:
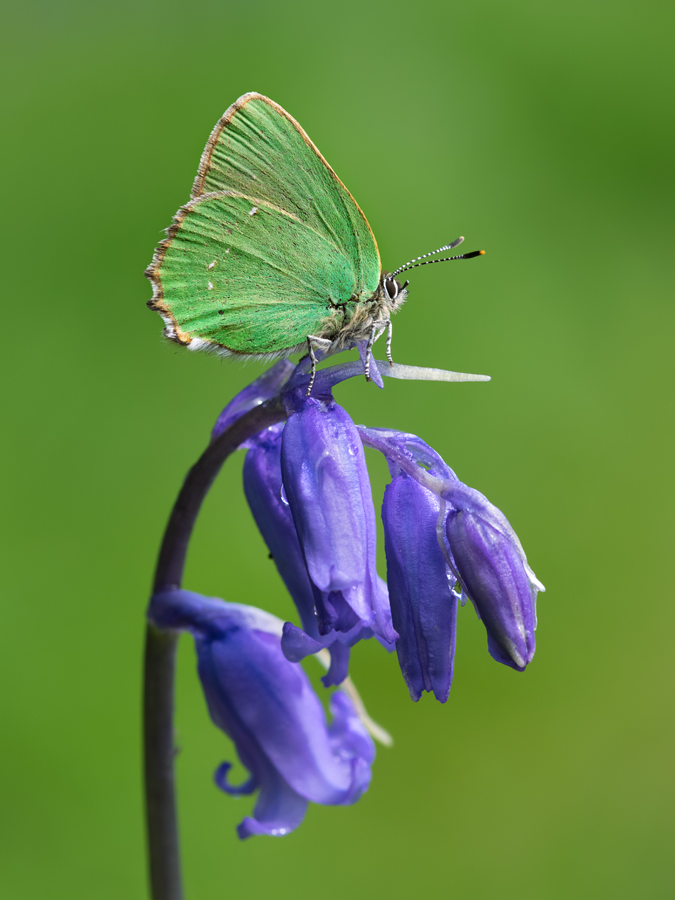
{"x":221,"y":781}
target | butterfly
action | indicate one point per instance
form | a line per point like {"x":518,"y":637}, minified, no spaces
{"x":272,"y":254}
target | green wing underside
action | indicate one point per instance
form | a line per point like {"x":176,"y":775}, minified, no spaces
{"x":249,"y":277}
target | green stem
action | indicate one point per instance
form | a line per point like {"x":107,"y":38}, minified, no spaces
{"x":160,"y":655}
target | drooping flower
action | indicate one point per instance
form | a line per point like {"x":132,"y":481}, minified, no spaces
{"x":265,"y":494}
{"x":423,"y":602}
{"x":443,"y":539}
{"x":268,"y":708}
{"x":482,"y":554}
{"x":328,"y":620}
{"x":494,"y":571}
{"x":326,"y":483}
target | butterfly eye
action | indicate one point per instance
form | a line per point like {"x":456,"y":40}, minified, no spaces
{"x":391,"y":287}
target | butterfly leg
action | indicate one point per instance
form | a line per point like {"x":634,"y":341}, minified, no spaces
{"x":369,"y":350}
{"x":322,"y":344}
{"x":389,"y":334}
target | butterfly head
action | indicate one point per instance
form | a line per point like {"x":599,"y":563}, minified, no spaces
{"x":393,"y":292}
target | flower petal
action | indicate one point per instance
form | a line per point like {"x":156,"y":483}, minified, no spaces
{"x":278,"y":811}
{"x":423,"y":604}
{"x":325,"y":478}
{"x":272,"y":514}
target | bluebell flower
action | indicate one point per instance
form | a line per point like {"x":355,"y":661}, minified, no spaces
{"x":267,"y":706}
{"x":328,"y":620}
{"x":326,"y":484}
{"x":482,"y":558}
{"x":495,"y":574}
{"x":309,"y":490}
{"x":423,"y":602}
{"x":265,"y":494}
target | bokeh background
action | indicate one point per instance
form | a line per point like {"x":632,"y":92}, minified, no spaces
{"x":542,"y":132}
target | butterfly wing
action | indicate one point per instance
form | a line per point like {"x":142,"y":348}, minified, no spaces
{"x":240,"y":274}
{"x":259,"y":150}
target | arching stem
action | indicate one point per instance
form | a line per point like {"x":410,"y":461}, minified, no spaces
{"x":160,"y":655}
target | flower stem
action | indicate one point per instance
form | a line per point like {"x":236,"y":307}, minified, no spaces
{"x":160,"y":795}
{"x":160,"y":654}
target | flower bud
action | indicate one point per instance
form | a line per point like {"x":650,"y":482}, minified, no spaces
{"x":494,"y":572}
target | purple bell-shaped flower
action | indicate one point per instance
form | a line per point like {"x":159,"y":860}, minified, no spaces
{"x":268,"y":708}
{"x":445,"y":540}
{"x":328,"y":490}
{"x":495,"y":574}
{"x":423,"y":603}
{"x":271,"y":511}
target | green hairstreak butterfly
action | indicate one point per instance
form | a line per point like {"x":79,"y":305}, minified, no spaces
{"x":272,"y":254}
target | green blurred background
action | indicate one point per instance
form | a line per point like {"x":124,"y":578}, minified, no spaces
{"x":542,"y":132}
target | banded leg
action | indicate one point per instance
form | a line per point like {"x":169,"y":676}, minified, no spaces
{"x":390,"y":331}
{"x":322,"y":344}
{"x":369,"y":350}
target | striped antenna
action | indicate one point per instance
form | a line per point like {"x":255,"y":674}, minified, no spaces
{"x":445,"y":259}
{"x":408,"y":265}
